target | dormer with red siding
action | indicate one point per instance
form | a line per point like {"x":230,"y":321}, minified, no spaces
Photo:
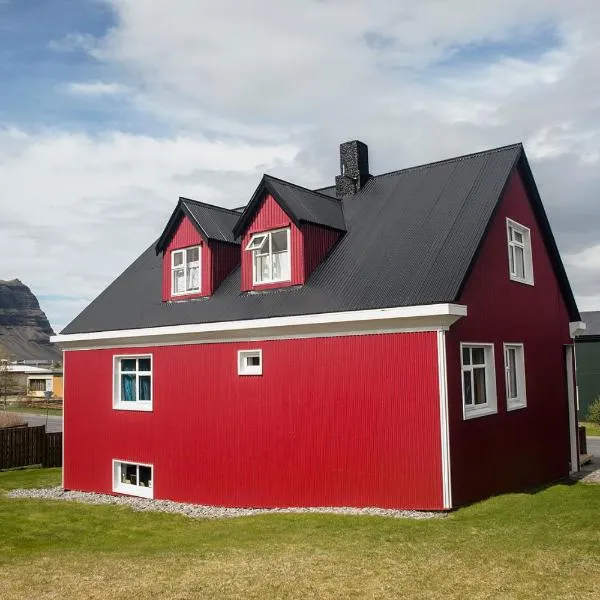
{"x":198,"y":250}
{"x":285,"y":232}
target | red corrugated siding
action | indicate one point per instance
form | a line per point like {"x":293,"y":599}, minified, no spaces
{"x":271,"y":216}
{"x":318,"y":241}
{"x":225,"y":258}
{"x":187,"y":235}
{"x":297,"y":436}
{"x":522,"y":448}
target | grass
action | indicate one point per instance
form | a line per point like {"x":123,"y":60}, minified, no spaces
{"x":526,"y":546}
{"x":33,"y":410}
{"x":591,"y":429}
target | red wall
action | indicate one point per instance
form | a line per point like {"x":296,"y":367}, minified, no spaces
{"x":295,"y":436}
{"x":217,"y":261}
{"x":522,"y":448}
{"x":318,"y":241}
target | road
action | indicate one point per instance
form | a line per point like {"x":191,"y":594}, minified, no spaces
{"x":54,"y":423}
{"x":593,"y":446}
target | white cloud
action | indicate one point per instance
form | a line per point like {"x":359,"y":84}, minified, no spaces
{"x":270,"y":85}
{"x":95,"y":88}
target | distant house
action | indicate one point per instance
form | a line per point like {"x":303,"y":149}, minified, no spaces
{"x":401,"y":340}
{"x":34,"y":382}
{"x":587,"y":349}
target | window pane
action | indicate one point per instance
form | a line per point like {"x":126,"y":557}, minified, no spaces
{"x":517,"y":236}
{"x":478,"y":356}
{"x":144,"y":364}
{"x":512,"y":391}
{"x":178,"y":281}
{"x":281,"y":266}
{"x":192,"y":255}
{"x":261,"y":268}
{"x":128,"y":474}
{"x":145,"y":476}
{"x":253,"y":361}
{"x":145,"y":385}
{"x":193,"y":282}
{"x":468,"y":388}
{"x":257,"y":242}
{"x":279,"y":240}
{"x":479,"y":386}
{"x":511,"y":259}
{"x":466,"y":356}
{"x":128,"y":364}
{"x":128,"y":388}
{"x":519,"y":262}
{"x":177,"y":259}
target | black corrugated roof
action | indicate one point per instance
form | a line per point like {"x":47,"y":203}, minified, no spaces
{"x":300,"y":204}
{"x":411,"y":238}
{"x":212,"y":222}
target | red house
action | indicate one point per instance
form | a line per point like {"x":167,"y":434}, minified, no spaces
{"x":401,"y":340}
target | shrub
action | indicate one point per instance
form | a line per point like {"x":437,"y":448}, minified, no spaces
{"x":10,"y":420}
{"x":594,"y":412}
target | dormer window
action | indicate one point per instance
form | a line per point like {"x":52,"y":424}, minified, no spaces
{"x":185,"y":271}
{"x":270,"y":256}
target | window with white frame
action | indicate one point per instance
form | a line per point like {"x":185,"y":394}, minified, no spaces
{"x":520,"y":260}
{"x":478,"y":380}
{"x":514,"y":369}
{"x":185,"y":271}
{"x":250,"y":362}
{"x":133,"y":382}
{"x":270,"y":256}
{"x":133,"y":479}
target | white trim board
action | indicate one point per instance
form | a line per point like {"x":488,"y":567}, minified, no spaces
{"x":444,"y":424}
{"x":430,"y":317}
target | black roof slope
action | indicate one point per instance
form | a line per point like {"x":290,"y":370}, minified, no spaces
{"x":412,"y":237}
{"x":212,"y":222}
{"x":300,"y":204}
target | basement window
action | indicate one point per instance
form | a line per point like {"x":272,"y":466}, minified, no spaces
{"x":520,"y":261}
{"x":478,"y":380}
{"x":185,"y":271}
{"x":133,"y":479}
{"x":514,"y":368}
{"x":250,"y":362}
{"x":132,"y":382}
{"x":270,"y":256}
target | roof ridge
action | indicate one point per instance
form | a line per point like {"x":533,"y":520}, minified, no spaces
{"x":227,"y":210}
{"x":453,"y":159}
{"x":304,"y":189}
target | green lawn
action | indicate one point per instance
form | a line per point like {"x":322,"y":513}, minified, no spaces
{"x":591,"y":429}
{"x":543,"y":545}
{"x":33,"y":410}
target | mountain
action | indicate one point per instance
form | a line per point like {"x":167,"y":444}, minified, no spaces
{"x":24,"y":328}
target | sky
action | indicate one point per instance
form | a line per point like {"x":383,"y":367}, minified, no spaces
{"x":112,"y":109}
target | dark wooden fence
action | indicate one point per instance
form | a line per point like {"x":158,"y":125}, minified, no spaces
{"x":24,"y":446}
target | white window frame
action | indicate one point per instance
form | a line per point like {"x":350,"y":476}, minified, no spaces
{"x":490,"y":407}
{"x":139,"y":405}
{"x":185,"y":263}
{"x":130,"y":489}
{"x":525,"y":246}
{"x":520,"y":400}
{"x":253,"y":248}
{"x":244,"y":368}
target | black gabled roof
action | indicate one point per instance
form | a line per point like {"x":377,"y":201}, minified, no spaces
{"x":300,"y":204}
{"x":212,"y":222}
{"x":411,"y":238}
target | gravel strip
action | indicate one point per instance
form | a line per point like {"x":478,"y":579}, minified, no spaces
{"x":197,"y":511}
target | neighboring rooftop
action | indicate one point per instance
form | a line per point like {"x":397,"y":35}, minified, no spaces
{"x":592,"y":324}
{"x":410,"y":239}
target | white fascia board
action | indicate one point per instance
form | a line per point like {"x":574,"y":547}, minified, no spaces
{"x":430,"y":317}
{"x":576,"y":328}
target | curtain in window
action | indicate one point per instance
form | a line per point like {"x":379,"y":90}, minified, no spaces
{"x":144,"y":385}
{"x":128,"y":387}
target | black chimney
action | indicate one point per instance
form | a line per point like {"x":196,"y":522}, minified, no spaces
{"x":354,"y":167}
